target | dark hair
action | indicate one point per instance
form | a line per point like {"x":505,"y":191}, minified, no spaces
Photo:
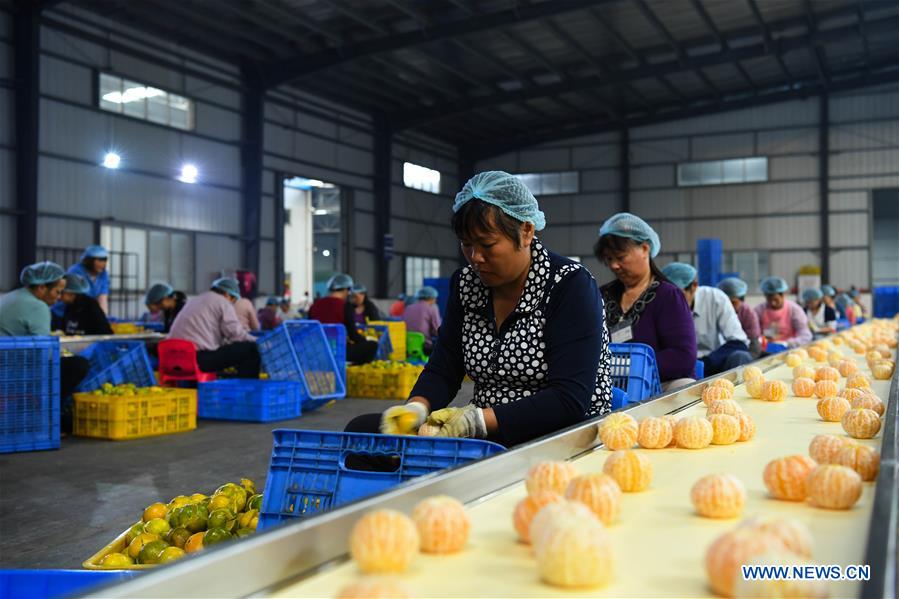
{"x":475,"y":215}
{"x":618,"y":244}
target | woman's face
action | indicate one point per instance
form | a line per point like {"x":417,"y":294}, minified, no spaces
{"x":629,"y":265}
{"x":358,"y":299}
{"x":495,"y":258}
{"x":99,"y":265}
{"x":775,"y":300}
{"x":50,"y":292}
{"x":736,"y":302}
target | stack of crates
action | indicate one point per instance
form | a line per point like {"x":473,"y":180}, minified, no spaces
{"x":29,"y":393}
{"x":397,"y":331}
{"x":886,"y":302}
{"x":382,"y":380}
{"x":117,"y":363}
{"x":708,"y":254}
{"x":148,"y":412}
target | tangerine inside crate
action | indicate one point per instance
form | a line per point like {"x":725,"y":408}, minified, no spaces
{"x":397,"y":332}
{"x":382,"y":380}
{"x":118,"y":545}
{"x":117,"y":417}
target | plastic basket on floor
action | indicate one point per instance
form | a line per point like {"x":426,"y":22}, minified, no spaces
{"x":160,"y":412}
{"x":117,"y":363}
{"x":50,"y":584}
{"x":308,"y":472}
{"x":634,"y":370}
{"x":336,"y":334}
{"x":29,"y":393}
{"x":397,"y":332}
{"x":299,"y":351}
{"x":249,"y":400}
{"x":382,"y":380}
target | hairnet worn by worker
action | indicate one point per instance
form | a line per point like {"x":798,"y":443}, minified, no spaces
{"x":782,"y":320}
{"x":92,"y":266}
{"x":631,"y":226}
{"x":427,"y":292}
{"x":822,"y":319}
{"x":83,"y":314}
{"x":504,"y":191}
{"x":680,"y":273}
{"x":157,"y":292}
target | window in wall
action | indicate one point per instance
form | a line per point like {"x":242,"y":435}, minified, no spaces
{"x":141,"y":101}
{"x":545,"y":184}
{"x":752,"y":267}
{"x":419,"y":268}
{"x":722,"y":172}
{"x":420,"y":177}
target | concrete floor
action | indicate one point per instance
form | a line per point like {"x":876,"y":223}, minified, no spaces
{"x":57,"y":508}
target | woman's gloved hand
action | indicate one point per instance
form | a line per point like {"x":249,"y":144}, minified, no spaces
{"x":404,"y":419}
{"x":467,"y":422}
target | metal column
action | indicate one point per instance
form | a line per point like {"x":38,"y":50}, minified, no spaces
{"x":251,"y":164}
{"x":625,"y":166}
{"x":824,"y":182}
{"x":26,"y":61}
{"x":383,"y":170}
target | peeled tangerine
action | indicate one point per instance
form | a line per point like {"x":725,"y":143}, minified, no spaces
{"x":725,"y":429}
{"x":747,"y":428}
{"x":834,"y":487}
{"x":858,"y":381}
{"x":618,"y":431}
{"x":883,"y":369}
{"x":374,"y":587}
{"x":718,"y":496}
{"x":869,"y":401}
{"x":724,"y":406}
{"x":794,"y":534}
{"x":775,"y":391}
{"x":824,"y":448}
{"x":864,"y":460}
{"x":806,"y":372}
{"x":384,"y":541}
{"x":693,"y":432}
{"x":793,"y":360}
{"x":751,"y":372}
{"x":655,"y":433}
{"x":574,"y":554}
{"x":832,"y":409}
{"x":861,"y":423}
{"x":556,"y":514}
{"x":827,"y":373}
{"x":851,"y":394}
{"x":599,"y":492}
{"x":785,"y":477}
{"x":803,"y":387}
{"x":549,"y":476}
{"x":834,"y":358}
{"x":826,"y":389}
{"x":442,"y":523}
{"x":712,"y":393}
{"x":872,"y":356}
{"x":780,"y":587}
{"x":631,"y":470}
{"x":755,"y":387}
{"x":528,"y":507}
{"x":847,"y":367}
{"x":724,"y":384}
{"x":817,"y":354}
{"x":733,"y":549}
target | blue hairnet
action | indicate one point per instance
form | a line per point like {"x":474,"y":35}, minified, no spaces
{"x":680,"y":274}
{"x":157,"y":293}
{"x":843,"y":301}
{"x":95,"y":251}
{"x":506,"y":192}
{"x":229,"y":286}
{"x":76,"y":284}
{"x":273,"y":300}
{"x":625,"y":224}
{"x":733,"y":287}
{"x":853,"y":293}
{"x":340,"y":281}
{"x":773,"y":285}
{"x":427,"y":292}
{"x":811,"y":294}
{"x":360,"y":289}
{"x":41,"y":273}
{"x":828,"y":290}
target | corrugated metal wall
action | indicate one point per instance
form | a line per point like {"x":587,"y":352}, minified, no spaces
{"x":7,"y":148}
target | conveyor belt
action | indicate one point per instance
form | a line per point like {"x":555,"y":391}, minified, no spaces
{"x":659,"y":542}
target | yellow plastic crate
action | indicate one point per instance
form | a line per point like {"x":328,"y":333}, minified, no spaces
{"x":116,"y":546}
{"x":397,"y":332}
{"x":125,"y":328}
{"x":379,"y":381}
{"x":133,"y":417}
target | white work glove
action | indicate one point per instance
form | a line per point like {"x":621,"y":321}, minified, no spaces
{"x":467,"y":422}
{"x":404,"y":419}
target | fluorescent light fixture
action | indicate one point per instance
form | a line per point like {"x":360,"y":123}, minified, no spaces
{"x":326,"y":253}
{"x":189,"y":173}
{"x":133,"y":94}
{"x":304,"y":183}
{"x":320,"y":212}
{"x":111,"y":160}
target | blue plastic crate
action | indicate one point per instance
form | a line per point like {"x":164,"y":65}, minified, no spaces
{"x":299,"y":351}
{"x":619,"y":398}
{"x":886,"y":302}
{"x":249,"y":400}
{"x":308,"y":472}
{"x":385,"y":346}
{"x":634,"y":370}
{"x":117,"y":363}
{"x":50,"y":584}
{"x":336,"y":334}
{"x":776,"y":348}
{"x":29,"y":393}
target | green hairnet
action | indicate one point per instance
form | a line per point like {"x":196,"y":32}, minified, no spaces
{"x":504,"y":191}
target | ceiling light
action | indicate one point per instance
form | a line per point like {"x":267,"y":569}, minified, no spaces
{"x":189,"y":173}
{"x":326,"y":253}
{"x":111,"y":160}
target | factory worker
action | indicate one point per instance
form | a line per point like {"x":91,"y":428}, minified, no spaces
{"x":855,"y":295}
{"x":782,"y":320}
{"x":332,"y":309}
{"x":83,"y":314}
{"x":162,"y":299}
{"x":25,"y":312}
{"x":846,"y":307}
{"x":360,"y":309}
{"x":92,"y":267}
{"x":424,"y":316}
{"x":822,"y":319}
{"x":736,"y":290}
{"x":288,"y":312}
{"x":642,"y":306}
{"x":210,"y":323}
{"x":524,"y":323}
{"x":721,"y":343}
{"x":268,"y":315}
{"x":246,"y":314}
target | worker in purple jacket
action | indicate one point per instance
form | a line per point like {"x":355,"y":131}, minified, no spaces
{"x":642,"y":306}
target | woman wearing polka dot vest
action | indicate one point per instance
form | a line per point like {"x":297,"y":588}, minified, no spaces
{"x":524,"y":323}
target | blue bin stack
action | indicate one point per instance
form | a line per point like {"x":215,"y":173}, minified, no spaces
{"x":708,"y":254}
{"x":29,"y":393}
{"x":117,"y":363}
{"x":886,"y":302}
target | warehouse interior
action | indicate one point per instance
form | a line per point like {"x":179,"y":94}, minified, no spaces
{"x":299,"y":139}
